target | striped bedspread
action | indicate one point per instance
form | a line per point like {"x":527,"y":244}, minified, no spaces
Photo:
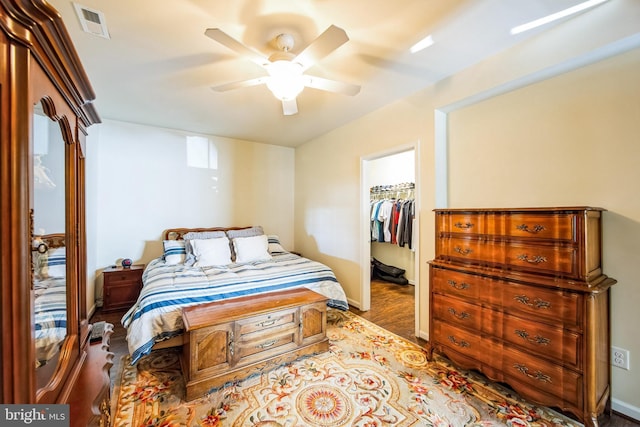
{"x":50,"y":307}
{"x":157,"y":315}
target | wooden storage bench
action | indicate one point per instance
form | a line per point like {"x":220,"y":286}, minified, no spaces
{"x":230,"y":340}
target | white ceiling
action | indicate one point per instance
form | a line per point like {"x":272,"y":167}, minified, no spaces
{"x":158,"y":67}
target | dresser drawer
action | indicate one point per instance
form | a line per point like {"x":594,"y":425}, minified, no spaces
{"x":458,"y":312}
{"x":557,"y":226}
{"x":553,"y":306}
{"x":462,"y":285}
{"x":463,"y":222}
{"x":547,"y":377}
{"x":537,"y":259}
{"x":531,"y":336}
{"x":250,"y":351}
{"x":552,"y":226}
{"x":265,"y":324}
{"x":459,"y":340}
{"x":553,"y":260}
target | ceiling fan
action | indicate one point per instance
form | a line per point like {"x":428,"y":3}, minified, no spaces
{"x":286,"y":78}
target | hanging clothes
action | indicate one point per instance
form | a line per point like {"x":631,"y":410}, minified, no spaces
{"x":384,"y":217}
{"x":405,"y":224}
{"x":391,"y":215}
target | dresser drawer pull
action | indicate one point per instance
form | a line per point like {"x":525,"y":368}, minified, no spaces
{"x":267,"y":344}
{"x":535,"y":230}
{"x":462,"y":315}
{"x":535,"y":260}
{"x":537,"y":303}
{"x":231,"y":344}
{"x":461,"y":286}
{"x":267,"y":323}
{"x":461,"y":251}
{"x":461,"y":343}
{"x":538,"y":375}
{"x":535,"y":340}
{"x":464,"y":226}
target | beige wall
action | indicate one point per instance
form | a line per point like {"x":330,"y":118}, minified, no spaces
{"x":573,"y":140}
{"x":328,"y":210}
{"x":570,"y":139}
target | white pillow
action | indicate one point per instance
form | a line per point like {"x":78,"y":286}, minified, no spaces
{"x":190,"y":258}
{"x":211,"y":251}
{"x":249,"y":249}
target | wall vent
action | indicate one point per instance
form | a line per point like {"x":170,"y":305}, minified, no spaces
{"x":92,"y":21}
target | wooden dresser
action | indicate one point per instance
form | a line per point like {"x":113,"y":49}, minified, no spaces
{"x":232,"y":339}
{"x":520,"y":295}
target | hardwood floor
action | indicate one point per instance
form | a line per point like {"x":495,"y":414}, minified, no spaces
{"x":392,"y":307}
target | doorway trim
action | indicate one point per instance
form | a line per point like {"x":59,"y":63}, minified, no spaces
{"x":365,"y":227}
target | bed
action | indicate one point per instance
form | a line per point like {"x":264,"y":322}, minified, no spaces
{"x":211,"y":264}
{"x":50,"y":295}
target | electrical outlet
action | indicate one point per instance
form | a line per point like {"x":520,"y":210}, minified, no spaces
{"x":620,"y":357}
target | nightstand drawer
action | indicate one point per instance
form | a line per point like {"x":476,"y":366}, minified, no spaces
{"x":123,"y":277}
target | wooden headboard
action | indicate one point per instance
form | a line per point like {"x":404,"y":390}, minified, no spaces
{"x":55,"y":240}
{"x":178,"y":233}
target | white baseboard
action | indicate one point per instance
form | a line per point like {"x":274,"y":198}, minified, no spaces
{"x":353,"y":303}
{"x":625,"y":409}
{"x":91,"y":311}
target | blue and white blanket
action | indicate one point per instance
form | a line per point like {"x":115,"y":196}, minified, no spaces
{"x":50,"y":307}
{"x":157,"y":315}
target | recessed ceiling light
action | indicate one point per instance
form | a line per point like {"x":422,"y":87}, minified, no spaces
{"x":422,"y":44}
{"x":555,"y":16}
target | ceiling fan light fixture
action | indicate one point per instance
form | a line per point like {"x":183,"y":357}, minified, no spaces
{"x":285,"y":79}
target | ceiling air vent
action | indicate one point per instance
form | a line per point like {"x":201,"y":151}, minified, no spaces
{"x":92,"y":21}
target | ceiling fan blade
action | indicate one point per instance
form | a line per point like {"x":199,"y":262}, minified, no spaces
{"x":332,"y":38}
{"x":331,"y":85}
{"x":236,"y":85}
{"x":289,"y":107}
{"x":225,"y":39}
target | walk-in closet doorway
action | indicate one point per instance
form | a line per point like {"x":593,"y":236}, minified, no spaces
{"x":395,"y":174}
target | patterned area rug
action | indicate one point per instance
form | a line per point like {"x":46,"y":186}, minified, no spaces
{"x":370,"y":377}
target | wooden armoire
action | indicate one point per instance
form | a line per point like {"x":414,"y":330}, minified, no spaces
{"x":45,"y":110}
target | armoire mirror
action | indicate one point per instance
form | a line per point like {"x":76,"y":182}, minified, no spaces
{"x":49,"y":255}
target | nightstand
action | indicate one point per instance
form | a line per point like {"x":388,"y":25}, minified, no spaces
{"x":121,"y":287}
